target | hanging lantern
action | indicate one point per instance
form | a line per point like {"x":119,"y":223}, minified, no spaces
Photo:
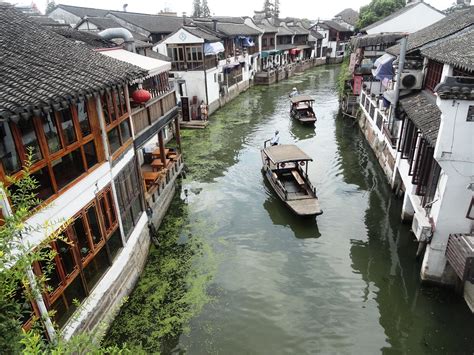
{"x":141,"y":96}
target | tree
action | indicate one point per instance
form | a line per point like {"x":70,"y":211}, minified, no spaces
{"x":196,"y":8}
{"x":276,"y":11}
{"x":377,"y":10}
{"x":50,"y":7}
{"x":205,"y":12}
{"x":268,"y":9}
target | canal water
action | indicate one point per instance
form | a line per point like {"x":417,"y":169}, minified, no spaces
{"x":347,"y":282}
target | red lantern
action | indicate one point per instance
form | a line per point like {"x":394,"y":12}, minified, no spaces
{"x":141,"y":96}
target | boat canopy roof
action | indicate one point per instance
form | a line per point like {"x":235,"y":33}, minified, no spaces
{"x":285,"y":153}
{"x":301,"y":98}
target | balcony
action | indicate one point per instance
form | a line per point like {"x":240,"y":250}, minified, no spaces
{"x":378,"y":116}
{"x":151,"y":117}
{"x":209,"y":62}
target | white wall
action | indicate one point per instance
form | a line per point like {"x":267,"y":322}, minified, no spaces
{"x":63,"y":16}
{"x":454,"y":152}
{"x":418,"y":17}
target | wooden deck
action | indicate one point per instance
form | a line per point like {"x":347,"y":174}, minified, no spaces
{"x":194,"y":124}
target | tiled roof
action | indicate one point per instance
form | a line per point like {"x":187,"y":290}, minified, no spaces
{"x":447,"y":26}
{"x":459,"y":88}
{"x":457,"y":50}
{"x":46,"y":21}
{"x":398,"y":13}
{"x":229,"y":19}
{"x":283,"y":31}
{"x":151,"y":23}
{"x":283,"y":47}
{"x":421,"y":108}
{"x":40,"y":68}
{"x":361,"y":41}
{"x":229,"y":29}
{"x":83,"y":11}
{"x":298,"y":30}
{"x":205,"y":34}
{"x":103,"y":23}
{"x":89,"y":39}
{"x":267,"y":27}
{"x":349,"y":16}
{"x":334,"y":25}
{"x":316,"y":34}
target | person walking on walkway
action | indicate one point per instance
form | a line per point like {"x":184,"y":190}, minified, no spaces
{"x":204,"y":111}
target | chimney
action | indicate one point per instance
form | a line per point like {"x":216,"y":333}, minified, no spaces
{"x":125,"y":7}
{"x":214,"y":24}
{"x":184,"y":18}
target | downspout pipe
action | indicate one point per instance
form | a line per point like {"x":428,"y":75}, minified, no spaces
{"x":401,"y":64}
{"x":119,"y":32}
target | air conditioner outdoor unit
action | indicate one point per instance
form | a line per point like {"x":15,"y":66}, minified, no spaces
{"x":421,"y":229}
{"x":411,"y":80}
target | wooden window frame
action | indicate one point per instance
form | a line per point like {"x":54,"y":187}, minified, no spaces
{"x":80,"y":263}
{"x":111,"y":99}
{"x":49,"y":158}
{"x":470,"y":210}
{"x":433,"y":74}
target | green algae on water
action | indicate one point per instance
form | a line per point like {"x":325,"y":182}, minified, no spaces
{"x":172,"y":288}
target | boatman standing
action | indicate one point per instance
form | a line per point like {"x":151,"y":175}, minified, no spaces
{"x":294,"y":92}
{"x":275,"y":139}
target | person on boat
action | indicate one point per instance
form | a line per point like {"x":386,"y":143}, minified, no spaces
{"x":294,"y":92}
{"x":275,"y":139}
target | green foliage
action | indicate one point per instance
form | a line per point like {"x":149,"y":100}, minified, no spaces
{"x":343,"y":76}
{"x":196,"y":8}
{"x":205,"y":11}
{"x":172,"y":288}
{"x":50,"y":7}
{"x":377,"y":10}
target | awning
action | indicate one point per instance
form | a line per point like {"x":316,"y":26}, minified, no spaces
{"x":383,"y":67}
{"x":153,"y":66}
{"x":213,"y":48}
{"x":285,"y":153}
{"x":246,"y":41}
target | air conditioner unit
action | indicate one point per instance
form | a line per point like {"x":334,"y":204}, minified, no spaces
{"x":411,"y":80}
{"x":421,"y":228}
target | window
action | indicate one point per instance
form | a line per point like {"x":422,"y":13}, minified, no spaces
{"x":83,"y":118}
{"x":29,"y":139}
{"x":64,"y":144}
{"x":67,"y":168}
{"x":51,"y":130}
{"x":80,"y":263}
{"x":8,"y":153}
{"x":272,"y":41}
{"x":129,"y":196}
{"x":433,"y":75}
{"x":264,"y":42}
{"x":117,"y":120}
{"x":68,"y":126}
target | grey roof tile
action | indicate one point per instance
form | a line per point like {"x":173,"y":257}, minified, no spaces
{"x":83,"y":11}
{"x":447,"y":26}
{"x":151,"y":23}
{"x":39,"y":67}
{"x":457,"y":50}
{"x":421,"y":108}
{"x":349,"y":16}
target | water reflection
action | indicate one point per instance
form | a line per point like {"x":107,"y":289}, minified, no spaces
{"x":413,"y":316}
{"x":281,"y":215}
{"x":301,"y":131}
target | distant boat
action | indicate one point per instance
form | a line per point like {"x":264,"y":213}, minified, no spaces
{"x":301,"y":109}
{"x":286,"y":169}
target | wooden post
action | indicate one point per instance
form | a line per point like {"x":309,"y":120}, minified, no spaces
{"x":177,"y":132}
{"x":162,"y":147}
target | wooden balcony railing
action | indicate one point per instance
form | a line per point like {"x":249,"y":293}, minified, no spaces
{"x":143,"y":117}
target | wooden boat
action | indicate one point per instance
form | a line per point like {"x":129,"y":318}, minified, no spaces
{"x":302,"y":109}
{"x":286,"y":169}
